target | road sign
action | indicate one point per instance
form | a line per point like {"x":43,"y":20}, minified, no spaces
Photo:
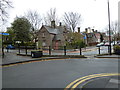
{"x":84,"y":37}
{"x":5,"y":33}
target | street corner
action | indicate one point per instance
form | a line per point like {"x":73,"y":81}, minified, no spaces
{"x":103,"y":80}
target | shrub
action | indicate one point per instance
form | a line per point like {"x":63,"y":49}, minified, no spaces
{"x":116,"y":47}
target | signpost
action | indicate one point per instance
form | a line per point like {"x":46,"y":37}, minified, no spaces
{"x":2,"y":43}
{"x":5,"y":33}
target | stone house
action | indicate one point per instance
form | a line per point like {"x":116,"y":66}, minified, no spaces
{"x":92,"y":37}
{"x":53,"y":35}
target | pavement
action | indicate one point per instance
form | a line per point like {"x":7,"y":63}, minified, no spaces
{"x":13,"y":58}
{"x":104,"y":82}
{"x":108,"y":56}
{"x":107,"y":82}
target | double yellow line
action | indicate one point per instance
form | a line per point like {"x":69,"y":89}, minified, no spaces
{"x":78,"y":81}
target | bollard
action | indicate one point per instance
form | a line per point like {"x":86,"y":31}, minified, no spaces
{"x":26,"y":49}
{"x":99,"y":49}
{"x":49,"y":50}
{"x":19,"y":48}
{"x":64,"y":50}
{"x":80,"y":51}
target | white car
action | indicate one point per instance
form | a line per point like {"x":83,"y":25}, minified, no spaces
{"x":100,"y":44}
{"x":106,"y":44}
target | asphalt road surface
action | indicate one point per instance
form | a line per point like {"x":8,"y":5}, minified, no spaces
{"x":55,"y":73}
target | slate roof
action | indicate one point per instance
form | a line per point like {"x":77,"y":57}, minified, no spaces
{"x":57,"y":30}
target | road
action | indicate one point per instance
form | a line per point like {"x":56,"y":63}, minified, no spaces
{"x":55,"y":73}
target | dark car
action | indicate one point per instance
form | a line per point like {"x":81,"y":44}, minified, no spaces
{"x":10,"y":47}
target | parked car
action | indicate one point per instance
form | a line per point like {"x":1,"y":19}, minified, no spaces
{"x":10,"y":47}
{"x":100,"y":44}
{"x":114,"y":43}
{"x":106,"y":44}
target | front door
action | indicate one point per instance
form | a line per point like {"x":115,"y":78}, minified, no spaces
{"x":56,"y":45}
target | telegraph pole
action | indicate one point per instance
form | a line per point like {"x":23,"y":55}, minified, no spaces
{"x":109,"y":29}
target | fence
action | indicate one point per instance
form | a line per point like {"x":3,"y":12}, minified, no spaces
{"x":62,"y":50}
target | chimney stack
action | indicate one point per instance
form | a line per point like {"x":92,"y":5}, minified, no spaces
{"x":93,"y":30}
{"x":53,"y":24}
{"x":60,"y":24}
{"x":78,"y":29}
{"x":86,"y":30}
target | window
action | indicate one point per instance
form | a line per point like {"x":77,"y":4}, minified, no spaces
{"x":43,"y":34}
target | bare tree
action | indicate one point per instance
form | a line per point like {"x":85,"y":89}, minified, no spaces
{"x":71,"y":20}
{"x":35,"y":20}
{"x":113,"y":30}
{"x":114,"y":27}
{"x":51,"y":16}
{"x":4,"y":6}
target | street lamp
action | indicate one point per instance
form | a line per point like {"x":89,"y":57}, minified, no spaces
{"x":109,"y":29}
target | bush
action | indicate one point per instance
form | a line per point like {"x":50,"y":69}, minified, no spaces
{"x":76,"y":44}
{"x":117,"y":49}
{"x":29,"y":44}
{"x":8,"y":42}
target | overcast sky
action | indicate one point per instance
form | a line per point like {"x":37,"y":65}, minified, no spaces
{"x":94,"y":12}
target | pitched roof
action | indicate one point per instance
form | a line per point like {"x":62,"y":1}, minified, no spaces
{"x":57,"y":30}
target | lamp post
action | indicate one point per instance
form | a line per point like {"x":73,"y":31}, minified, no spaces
{"x":109,"y":29}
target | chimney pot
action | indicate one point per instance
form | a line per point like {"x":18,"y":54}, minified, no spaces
{"x":93,"y":30}
{"x":53,"y":24}
{"x":86,"y":30}
{"x":78,"y":29}
{"x":60,"y":24}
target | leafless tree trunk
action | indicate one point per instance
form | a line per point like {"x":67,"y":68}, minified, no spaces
{"x":71,"y":20}
{"x":35,"y":20}
{"x":4,"y":6}
{"x":113,"y":29}
{"x":51,"y":16}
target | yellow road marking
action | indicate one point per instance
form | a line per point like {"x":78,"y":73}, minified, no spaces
{"x":74,"y":86}
{"x":83,"y":78}
{"x":80,"y":79}
{"x":75,"y":83}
